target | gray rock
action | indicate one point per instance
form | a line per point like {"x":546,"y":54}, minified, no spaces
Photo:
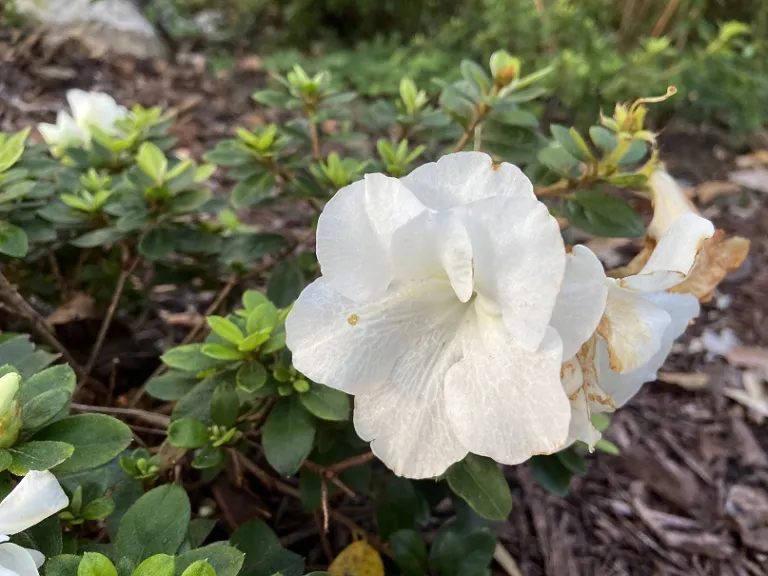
{"x":101,"y":25}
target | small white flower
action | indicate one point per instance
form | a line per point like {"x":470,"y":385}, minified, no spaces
{"x":641,"y":320}
{"x":34,"y":499}
{"x":434,"y":310}
{"x":89,"y":110}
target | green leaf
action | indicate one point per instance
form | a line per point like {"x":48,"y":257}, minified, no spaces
{"x":288,"y":436}
{"x":189,"y":358}
{"x":225,"y":560}
{"x":285,"y":284}
{"x":189,"y":200}
{"x":100,"y":237}
{"x":157,"y":565}
{"x":251,"y":376}
{"x":171,"y":386}
{"x":246,"y":248}
{"x":188,"y":433}
{"x":43,"y":408}
{"x":226,"y":329}
{"x":158,"y":243}
{"x":552,"y":474}
{"x":12,"y":149}
{"x":572,"y":141}
{"x":222,"y":352}
{"x":263,"y":554}
{"x":62,"y":565}
{"x":13,"y":240}
{"x":326,"y":403}
{"x":45,"y":537}
{"x":225,"y":405}
{"x":400,"y":507}
{"x":638,"y":149}
{"x":61,"y":378}
{"x":571,"y":460}
{"x":197,"y":402}
{"x":38,"y":455}
{"x":208,"y":457}
{"x":479,"y":481}
{"x":262,"y":319}
{"x":252,"y":190}
{"x":152,"y":162}
{"x":5,"y":460}
{"x":199,"y":568}
{"x":99,"y":508}
{"x":454,"y":553}
{"x":410,"y":552}
{"x":558,"y":159}
{"x":94,"y":564}
{"x":252,"y":299}
{"x":603,"y":138}
{"x":155,"y":524}
{"x":97,"y":439}
{"x":603,"y":214}
{"x":199,"y":530}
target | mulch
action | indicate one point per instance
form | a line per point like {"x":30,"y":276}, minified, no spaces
{"x":689,"y":493}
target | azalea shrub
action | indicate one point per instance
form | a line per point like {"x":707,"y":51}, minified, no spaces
{"x":417,"y":308}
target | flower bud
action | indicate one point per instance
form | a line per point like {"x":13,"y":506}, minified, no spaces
{"x":10,"y":410}
{"x":504,"y":67}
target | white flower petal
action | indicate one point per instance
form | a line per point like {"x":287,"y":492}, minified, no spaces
{"x":354,"y":234}
{"x":632,"y":327}
{"x":674,"y":255}
{"x":37,"y":557}
{"x":464,"y":177}
{"x":353,"y":347}
{"x":406,"y":419}
{"x":519,"y":259}
{"x":506,"y":402}
{"x":34,"y":499}
{"x":455,"y":250}
{"x":669,"y":203}
{"x":681,"y":308}
{"x":581,"y":301}
{"x":17,"y":560}
{"x":80,"y":103}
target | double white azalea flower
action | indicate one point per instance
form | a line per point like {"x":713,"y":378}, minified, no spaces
{"x":449,"y":307}
{"x":34,"y":499}
{"x":89,"y":110}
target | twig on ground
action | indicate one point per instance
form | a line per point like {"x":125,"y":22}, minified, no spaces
{"x":327,"y":550}
{"x":38,"y":324}
{"x":125,"y":273}
{"x":505,"y":560}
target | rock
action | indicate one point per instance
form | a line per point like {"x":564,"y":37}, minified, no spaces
{"x":116,"y":26}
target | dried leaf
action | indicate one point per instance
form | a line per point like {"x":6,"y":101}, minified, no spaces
{"x":686,"y":380}
{"x":717,"y":258}
{"x":748,"y":357}
{"x":756,"y":179}
{"x":79,"y":307}
{"x":752,"y":159}
{"x":357,"y":559}
{"x":708,"y":191}
{"x":752,"y":396}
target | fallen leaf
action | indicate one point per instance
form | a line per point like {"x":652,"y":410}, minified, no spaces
{"x":752,"y":159}
{"x":708,"y":191}
{"x":357,"y":559}
{"x":79,"y":307}
{"x":687,"y":380}
{"x":755,"y":179}
{"x":748,"y":357}
{"x":752,"y":396}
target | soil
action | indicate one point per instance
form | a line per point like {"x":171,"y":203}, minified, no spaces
{"x":689,"y":492}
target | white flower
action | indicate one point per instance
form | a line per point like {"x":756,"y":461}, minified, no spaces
{"x":34,"y":499}
{"x":641,"y":320}
{"x":89,"y":110}
{"x":434,"y":310}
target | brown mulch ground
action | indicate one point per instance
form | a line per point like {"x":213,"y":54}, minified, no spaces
{"x":689,"y":493}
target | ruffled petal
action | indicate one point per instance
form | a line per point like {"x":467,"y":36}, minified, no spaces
{"x":504,"y":401}
{"x":353,"y":347}
{"x":80,"y":104}
{"x":17,"y":559}
{"x":354,"y":233}
{"x":674,"y":255}
{"x":406,"y":420}
{"x":519,"y":259}
{"x":34,"y":499}
{"x":632,"y":327}
{"x":464,"y":177}
{"x":681,"y":309}
{"x":581,"y":301}
{"x":669,"y":203}
{"x":37,"y":557}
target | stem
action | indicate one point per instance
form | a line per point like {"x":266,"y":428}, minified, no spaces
{"x":125,"y":273}
{"x":556,"y":189}
{"x":10,"y":294}
{"x":313,"y":133}
{"x":351,"y":462}
{"x":149,"y":417}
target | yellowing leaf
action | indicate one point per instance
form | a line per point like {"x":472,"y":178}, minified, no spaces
{"x":357,"y":559}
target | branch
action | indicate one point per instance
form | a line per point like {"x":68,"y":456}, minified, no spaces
{"x":40,"y":327}
{"x":351,"y":462}
{"x":148,"y":417}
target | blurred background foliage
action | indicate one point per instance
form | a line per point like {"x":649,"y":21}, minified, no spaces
{"x":714,"y":51}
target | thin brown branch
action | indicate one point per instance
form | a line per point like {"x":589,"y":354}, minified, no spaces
{"x":148,"y":417}
{"x":314,"y":135}
{"x":558,"y":188}
{"x":39,"y":326}
{"x":326,"y":474}
{"x":324,"y":503}
{"x":125,"y":273}
{"x":666,"y":16}
{"x":327,"y":550}
{"x":351,"y":462}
